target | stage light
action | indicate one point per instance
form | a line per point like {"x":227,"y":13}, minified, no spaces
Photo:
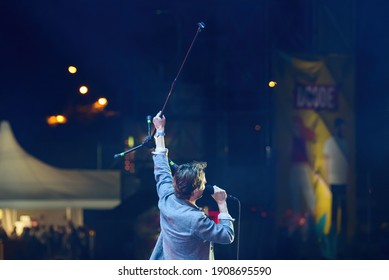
{"x":100,"y":104}
{"x":83,"y":89}
{"x":272,"y":84}
{"x":130,"y":141}
{"x":103,"y":101}
{"x":52,"y":120}
{"x":72,"y":69}
{"x":61,"y":119}
{"x":55,"y":120}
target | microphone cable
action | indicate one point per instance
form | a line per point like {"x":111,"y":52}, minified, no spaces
{"x":238,"y":227}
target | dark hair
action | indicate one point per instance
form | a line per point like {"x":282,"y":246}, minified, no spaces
{"x":188,"y":177}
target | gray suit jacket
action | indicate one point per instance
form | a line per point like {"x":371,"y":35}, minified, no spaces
{"x":187,"y":233}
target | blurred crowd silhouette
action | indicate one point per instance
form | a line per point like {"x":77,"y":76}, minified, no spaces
{"x":43,"y":242}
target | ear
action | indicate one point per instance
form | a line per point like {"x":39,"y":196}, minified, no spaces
{"x":196,"y":194}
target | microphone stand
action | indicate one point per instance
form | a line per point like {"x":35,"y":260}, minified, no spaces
{"x":147,"y":142}
{"x":148,"y":139}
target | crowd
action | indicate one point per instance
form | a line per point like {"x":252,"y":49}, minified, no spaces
{"x":48,"y":242}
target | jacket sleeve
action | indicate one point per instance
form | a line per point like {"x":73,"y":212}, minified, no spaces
{"x":162,"y":174}
{"x":206,"y":229}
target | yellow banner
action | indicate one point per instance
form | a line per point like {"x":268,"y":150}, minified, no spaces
{"x":314,"y":98}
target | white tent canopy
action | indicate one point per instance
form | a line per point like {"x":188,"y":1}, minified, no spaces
{"x":28,"y":183}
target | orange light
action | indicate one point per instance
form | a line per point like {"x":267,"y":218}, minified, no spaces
{"x":103,"y":101}
{"x":100,"y":104}
{"x":52,"y":120}
{"x":272,"y":84}
{"x":55,"y":120}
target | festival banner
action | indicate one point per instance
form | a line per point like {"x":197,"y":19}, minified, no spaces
{"x":314,"y":96}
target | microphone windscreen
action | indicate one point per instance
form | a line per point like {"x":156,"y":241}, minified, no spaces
{"x":208,"y":190}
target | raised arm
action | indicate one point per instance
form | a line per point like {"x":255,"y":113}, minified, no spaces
{"x":159,"y":124}
{"x":162,"y":171}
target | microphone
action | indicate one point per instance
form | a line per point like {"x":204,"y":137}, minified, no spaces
{"x":148,"y":118}
{"x":209,"y":190}
{"x":149,"y":141}
{"x":201,"y":25}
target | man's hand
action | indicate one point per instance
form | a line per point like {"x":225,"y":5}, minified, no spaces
{"x":219,"y":195}
{"x":159,"y":122}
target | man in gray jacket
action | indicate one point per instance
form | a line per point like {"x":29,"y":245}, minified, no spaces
{"x":187,"y":233}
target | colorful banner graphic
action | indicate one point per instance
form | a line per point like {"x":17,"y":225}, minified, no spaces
{"x":314,"y":139}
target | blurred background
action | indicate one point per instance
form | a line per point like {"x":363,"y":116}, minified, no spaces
{"x":125,"y":55}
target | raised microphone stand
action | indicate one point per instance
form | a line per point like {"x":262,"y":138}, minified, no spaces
{"x":147,"y":142}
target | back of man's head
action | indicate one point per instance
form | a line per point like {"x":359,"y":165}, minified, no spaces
{"x":188,"y":177}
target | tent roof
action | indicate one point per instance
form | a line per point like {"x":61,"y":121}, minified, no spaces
{"x":26,"y":182}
